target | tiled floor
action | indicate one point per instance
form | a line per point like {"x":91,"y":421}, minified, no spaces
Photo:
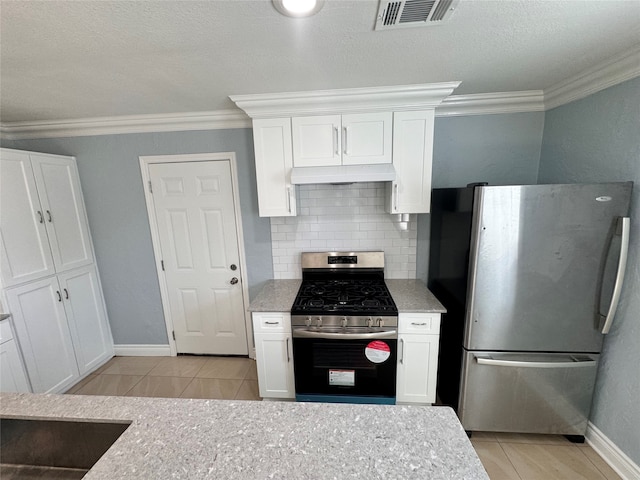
{"x":174,"y":377}
{"x":505,"y":456}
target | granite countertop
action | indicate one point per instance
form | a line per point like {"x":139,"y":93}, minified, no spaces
{"x":410,"y":296}
{"x":202,"y":439}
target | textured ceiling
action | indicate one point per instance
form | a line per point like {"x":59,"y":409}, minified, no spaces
{"x":78,"y":59}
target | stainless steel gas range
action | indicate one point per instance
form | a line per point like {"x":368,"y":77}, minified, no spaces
{"x":344,"y":327}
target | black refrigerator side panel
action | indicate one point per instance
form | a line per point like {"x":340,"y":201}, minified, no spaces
{"x":451,"y":216}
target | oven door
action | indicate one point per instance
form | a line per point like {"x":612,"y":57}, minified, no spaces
{"x":349,"y":368}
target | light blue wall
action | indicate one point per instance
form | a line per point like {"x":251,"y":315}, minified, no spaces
{"x":499,"y":149}
{"x":112,"y":186}
{"x":597,"y":139}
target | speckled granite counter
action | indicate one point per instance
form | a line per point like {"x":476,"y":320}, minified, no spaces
{"x":202,"y":439}
{"x":276,"y":296}
{"x":410,"y":296}
{"x":413,"y":296}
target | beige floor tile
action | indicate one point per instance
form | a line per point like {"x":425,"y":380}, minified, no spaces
{"x":80,"y":384}
{"x":494,"y":460}
{"x":600,"y":464}
{"x":484,"y":437}
{"x":550,"y":462}
{"x":165,"y":387}
{"x":252,"y":373}
{"x":216,"y":388}
{"x":109,"y":385}
{"x":186,"y":366}
{"x":225,"y":367}
{"x":102,"y":368}
{"x":534,"y":438}
{"x":131,"y":365}
{"x":248,"y":391}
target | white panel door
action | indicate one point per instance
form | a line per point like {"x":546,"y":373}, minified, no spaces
{"x":367,"y":138}
{"x":63,"y":209}
{"x":82,"y":299}
{"x":24,"y":249}
{"x":195,"y":214}
{"x":417,"y":368}
{"x":42,"y":330}
{"x":316,"y":141}
{"x":275,"y":365}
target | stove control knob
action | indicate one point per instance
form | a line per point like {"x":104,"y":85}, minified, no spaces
{"x":380,"y":322}
{"x":319,"y":322}
{"x":307,"y":322}
{"x":344,"y":321}
{"x":369,"y":322}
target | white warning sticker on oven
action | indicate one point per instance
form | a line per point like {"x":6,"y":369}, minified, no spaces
{"x":342,"y":378}
{"x":377,"y":351}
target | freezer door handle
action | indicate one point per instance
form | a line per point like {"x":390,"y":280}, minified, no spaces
{"x":624,"y":225}
{"x":572,"y":363}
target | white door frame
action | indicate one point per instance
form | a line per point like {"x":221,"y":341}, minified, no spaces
{"x":145,"y":161}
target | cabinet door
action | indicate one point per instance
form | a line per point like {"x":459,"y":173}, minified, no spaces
{"x":272,"y":144}
{"x":417,"y":368}
{"x":24,"y":249}
{"x":83,"y":303}
{"x":412,"y":158}
{"x":63,"y":209}
{"x":275,"y":365}
{"x":367,"y":138}
{"x":12,"y":374}
{"x":43,"y":333}
{"x":317,"y":141}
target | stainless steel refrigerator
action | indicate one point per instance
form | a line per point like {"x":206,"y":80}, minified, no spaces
{"x":531,"y":277}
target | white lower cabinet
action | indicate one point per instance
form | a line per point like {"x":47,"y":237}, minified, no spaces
{"x":418,"y":339}
{"x":12,"y":375}
{"x":274,"y":354}
{"x":62,"y":328}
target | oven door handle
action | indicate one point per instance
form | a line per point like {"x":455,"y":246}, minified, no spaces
{"x":344,"y":336}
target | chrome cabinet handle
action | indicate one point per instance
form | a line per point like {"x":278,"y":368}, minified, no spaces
{"x":289,"y":199}
{"x":419,"y":324}
{"x":344,"y":141}
{"x":335,"y":141}
{"x":59,"y":296}
{"x":66,"y":293}
{"x":624,"y":225}
{"x":234,"y":280}
{"x":395,"y":192}
{"x":402,"y":351}
{"x":40,"y":217}
{"x":49,"y":215}
{"x":272,"y":323}
{"x":288,"y":357}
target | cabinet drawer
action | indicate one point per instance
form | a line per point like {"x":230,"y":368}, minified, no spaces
{"x":427,"y":323}
{"x":271,"y":322}
{"x":5,"y":331}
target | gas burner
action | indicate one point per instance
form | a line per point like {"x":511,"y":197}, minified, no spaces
{"x":318,"y":291}
{"x":316,"y":302}
{"x":370,"y":302}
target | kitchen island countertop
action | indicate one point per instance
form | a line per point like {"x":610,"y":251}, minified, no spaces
{"x":410,"y":296}
{"x":202,"y":439}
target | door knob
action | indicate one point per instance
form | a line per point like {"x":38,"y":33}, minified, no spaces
{"x":233,"y":267}
{"x":234,"y":280}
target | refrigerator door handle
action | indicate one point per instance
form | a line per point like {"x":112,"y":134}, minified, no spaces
{"x":575,"y":362}
{"x":624,"y":226}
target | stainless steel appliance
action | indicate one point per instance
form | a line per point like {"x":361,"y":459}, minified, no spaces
{"x":530,"y":277}
{"x":344,"y":328}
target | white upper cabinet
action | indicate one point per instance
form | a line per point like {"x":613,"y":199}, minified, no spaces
{"x":410,"y":192}
{"x":43,"y":224}
{"x":24,"y":254}
{"x":329,"y":140}
{"x":272,"y":146}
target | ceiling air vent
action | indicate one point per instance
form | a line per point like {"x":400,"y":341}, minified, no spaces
{"x":413,"y":13}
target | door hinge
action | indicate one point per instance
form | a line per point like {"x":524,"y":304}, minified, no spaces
{"x":162,"y":264}
{"x":173,"y":333}
{"x":150,"y":187}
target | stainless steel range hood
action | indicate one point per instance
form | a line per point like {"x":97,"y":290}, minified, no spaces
{"x":383,"y":172}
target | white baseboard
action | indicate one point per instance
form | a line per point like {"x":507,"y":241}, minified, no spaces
{"x":142,"y":350}
{"x":609,"y":451}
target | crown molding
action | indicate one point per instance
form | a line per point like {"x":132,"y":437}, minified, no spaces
{"x":491,"y":103}
{"x":82,"y":127}
{"x":618,"y":69}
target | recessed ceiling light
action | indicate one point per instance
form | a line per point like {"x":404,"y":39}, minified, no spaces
{"x":298,"y":8}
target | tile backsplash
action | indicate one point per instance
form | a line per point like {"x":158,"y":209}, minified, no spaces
{"x":343,"y":218}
